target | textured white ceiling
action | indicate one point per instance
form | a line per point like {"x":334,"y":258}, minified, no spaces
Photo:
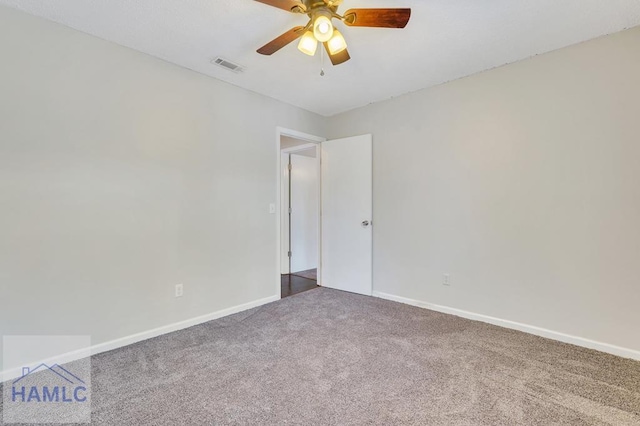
{"x":445,"y":40}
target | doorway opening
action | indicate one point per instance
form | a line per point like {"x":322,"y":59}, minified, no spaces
{"x":344,"y":208}
{"x":299,"y":215}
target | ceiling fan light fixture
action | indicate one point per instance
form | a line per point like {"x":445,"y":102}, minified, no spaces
{"x":337,"y":43}
{"x":322,"y":27}
{"x":308,"y":44}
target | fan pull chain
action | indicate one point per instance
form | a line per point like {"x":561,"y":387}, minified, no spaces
{"x":322,"y":62}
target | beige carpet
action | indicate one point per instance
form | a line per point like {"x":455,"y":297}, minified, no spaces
{"x":326,"y":357}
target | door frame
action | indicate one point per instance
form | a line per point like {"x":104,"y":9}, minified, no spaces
{"x":311,"y":139}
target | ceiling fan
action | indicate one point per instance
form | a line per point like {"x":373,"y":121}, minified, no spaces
{"x":320,"y":27}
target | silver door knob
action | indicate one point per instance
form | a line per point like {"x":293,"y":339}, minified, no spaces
{"x":365,"y":223}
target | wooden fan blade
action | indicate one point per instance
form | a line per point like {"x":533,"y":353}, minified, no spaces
{"x":338,"y":58}
{"x":278,"y":43}
{"x":288,"y":5}
{"x":384,"y":18}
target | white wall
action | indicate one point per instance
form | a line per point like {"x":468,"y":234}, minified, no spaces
{"x":523,"y":184}
{"x":122,"y":175}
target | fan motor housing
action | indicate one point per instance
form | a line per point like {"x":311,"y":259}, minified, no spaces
{"x":316,"y":5}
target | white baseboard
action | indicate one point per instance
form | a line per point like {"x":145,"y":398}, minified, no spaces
{"x":554,"y":335}
{"x":10,"y":374}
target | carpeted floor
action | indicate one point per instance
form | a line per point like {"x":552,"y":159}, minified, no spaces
{"x":326,"y":357}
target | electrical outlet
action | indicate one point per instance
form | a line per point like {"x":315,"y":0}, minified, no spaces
{"x":446,"y":280}
{"x":179,"y":290}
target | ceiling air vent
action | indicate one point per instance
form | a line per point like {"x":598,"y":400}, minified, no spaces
{"x":228,"y":65}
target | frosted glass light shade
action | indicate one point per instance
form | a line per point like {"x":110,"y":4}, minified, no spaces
{"x":308,"y":44}
{"x":322,"y":28}
{"x":337,"y":43}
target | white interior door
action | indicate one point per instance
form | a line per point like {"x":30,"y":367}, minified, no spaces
{"x":284,"y":217}
{"x":304,"y":211}
{"x":347,"y":214}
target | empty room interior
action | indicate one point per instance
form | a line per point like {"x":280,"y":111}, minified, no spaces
{"x":320,"y":212}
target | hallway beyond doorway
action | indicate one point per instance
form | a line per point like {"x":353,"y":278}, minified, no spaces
{"x":293,"y":284}
{"x":311,"y":274}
